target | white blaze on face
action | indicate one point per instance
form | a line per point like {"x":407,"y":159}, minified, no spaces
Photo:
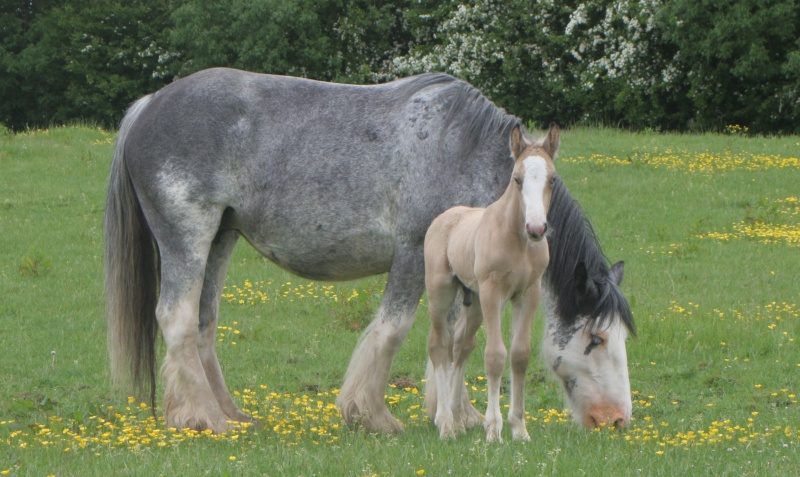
{"x":533,"y":186}
{"x":595,"y":378}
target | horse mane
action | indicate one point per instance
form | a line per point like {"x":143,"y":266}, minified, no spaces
{"x":572,"y":240}
{"x":469,"y":110}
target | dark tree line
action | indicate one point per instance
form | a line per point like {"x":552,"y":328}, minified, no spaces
{"x":657,"y":64}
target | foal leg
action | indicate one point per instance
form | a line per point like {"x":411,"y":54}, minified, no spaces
{"x":441,"y":292}
{"x":361,"y":398}
{"x":431,"y":391}
{"x":494,"y":360}
{"x":463,"y":345}
{"x":216,"y":269}
{"x":524,"y":310}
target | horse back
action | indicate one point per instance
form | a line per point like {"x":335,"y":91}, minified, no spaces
{"x":327,"y":180}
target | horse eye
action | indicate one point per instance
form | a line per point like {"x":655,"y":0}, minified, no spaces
{"x":518,"y":180}
{"x":552,"y":181}
{"x":594,"y":342}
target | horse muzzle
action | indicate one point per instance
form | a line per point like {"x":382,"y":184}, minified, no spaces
{"x":536,"y":232}
{"x":606,"y":415}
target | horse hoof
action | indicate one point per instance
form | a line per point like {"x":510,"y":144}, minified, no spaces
{"x":521,"y":436}
{"x":493,"y":431}
{"x":471,"y":417}
{"x":199,"y":424}
{"x":494,"y":437}
{"x":381,"y":422}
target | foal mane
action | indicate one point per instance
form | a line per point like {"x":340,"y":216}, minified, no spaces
{"x":573,"y":240}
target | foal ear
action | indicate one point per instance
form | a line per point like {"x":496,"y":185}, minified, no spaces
{"x":517,"y":142}
{"x":552,"y":140}
{"x":617,"y":272}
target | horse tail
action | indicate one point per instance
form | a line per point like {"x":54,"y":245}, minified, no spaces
{"x":131,"y":276}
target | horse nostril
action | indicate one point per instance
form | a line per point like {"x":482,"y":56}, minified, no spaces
{"x":536,"y":232}
{"x":621,"y":423}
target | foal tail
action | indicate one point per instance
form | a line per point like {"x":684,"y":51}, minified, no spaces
{"x":131,"y":277}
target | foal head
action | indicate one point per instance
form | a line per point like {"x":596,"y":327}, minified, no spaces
{"x":534,"y":175}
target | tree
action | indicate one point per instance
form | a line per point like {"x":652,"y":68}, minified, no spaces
{"x":273,"y":36}
{"x":739,"y":60}
{"x":17,"y":18}
{"x":321,"y":39}
{"x":84,"y":60}
{"x":671,"y":65}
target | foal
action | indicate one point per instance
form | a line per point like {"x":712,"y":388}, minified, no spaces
{"x":495,"y":255}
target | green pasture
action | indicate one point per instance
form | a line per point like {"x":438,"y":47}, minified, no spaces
{"x":708,"y":226}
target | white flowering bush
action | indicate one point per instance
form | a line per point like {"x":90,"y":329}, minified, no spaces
{"x":675,"y":65}
{"x":681,"y":64}
{"x":468,"y":43}
{"x":547,"y":60}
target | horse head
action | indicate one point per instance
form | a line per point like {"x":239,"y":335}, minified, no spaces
{"x":534,"y":175}
{"x":587,"y":351}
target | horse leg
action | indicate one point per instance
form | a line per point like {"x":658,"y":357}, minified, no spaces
{"x":361,"y":399}
{"x":216,"y":269}
{"x":188,"y":398}
{"x":494,"y":360}
{"x":524,"y":310}
{"x":441,"y":293}
{"x":463,"y":345}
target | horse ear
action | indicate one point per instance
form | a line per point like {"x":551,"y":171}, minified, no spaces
{"x":617,"y":272}
{"x":585,"y":289}
{"x":517,"y":142}
{"x":551,"y":142}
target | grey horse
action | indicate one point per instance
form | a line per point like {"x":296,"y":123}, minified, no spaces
{"x":329,"y":181}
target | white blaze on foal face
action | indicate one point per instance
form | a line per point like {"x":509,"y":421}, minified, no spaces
{"x":536,"y":182}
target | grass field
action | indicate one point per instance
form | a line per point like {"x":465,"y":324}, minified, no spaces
{"x":709,"y":228}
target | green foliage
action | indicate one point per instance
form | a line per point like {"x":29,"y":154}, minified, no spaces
{"x":326,"y":40}
{"x":116,"y":52}
{"x":81,"y":60}
{"x":272,"y":35}
{"x":355,"y":309}
{"x":640,"y":64}
{"x":34,"y":265}
{"x":738,"y":59}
